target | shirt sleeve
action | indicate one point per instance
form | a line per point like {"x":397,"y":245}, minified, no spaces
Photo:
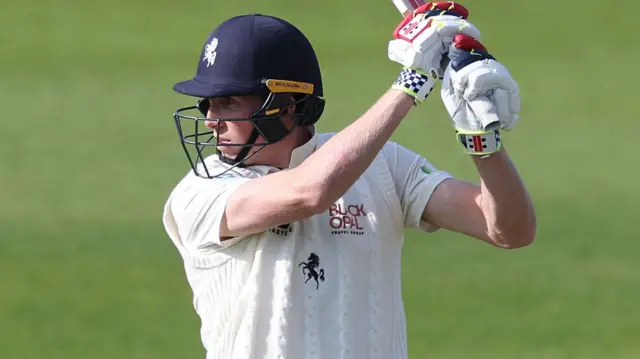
{"x":196,"y":208}
{"x":415,"y":180}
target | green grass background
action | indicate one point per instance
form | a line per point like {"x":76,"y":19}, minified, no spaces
{"x":89,"y":154}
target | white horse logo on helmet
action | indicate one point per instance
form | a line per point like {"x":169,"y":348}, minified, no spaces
{"x":210,"y":52}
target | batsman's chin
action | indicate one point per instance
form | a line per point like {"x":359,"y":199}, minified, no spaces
{"x":227,"y":151}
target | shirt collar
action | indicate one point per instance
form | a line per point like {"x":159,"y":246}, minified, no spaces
{"x":299,"y":154}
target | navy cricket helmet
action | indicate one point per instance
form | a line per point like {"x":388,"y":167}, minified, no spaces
{"x":250,"y":55}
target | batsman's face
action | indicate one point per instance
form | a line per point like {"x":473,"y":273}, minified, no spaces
{"x":230,"y":132}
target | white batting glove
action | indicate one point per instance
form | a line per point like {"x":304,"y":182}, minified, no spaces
{"x":424,"y":36}
{"x":420,"y":42}
{"x":480,"y":95}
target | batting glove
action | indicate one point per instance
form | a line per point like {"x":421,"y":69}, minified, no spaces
{"x":420,"y":42}
{"x":480,"y":95}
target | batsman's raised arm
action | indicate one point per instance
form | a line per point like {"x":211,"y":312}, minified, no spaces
{"x":483,"y":99}
{"x":499,"y":211}
{"x":310,"y":188}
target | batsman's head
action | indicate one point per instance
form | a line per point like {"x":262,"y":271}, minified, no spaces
{"x":250,"y":55}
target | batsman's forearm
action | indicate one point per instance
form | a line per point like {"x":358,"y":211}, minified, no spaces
{"x":336,"y":165}
{"x":506,"y":204}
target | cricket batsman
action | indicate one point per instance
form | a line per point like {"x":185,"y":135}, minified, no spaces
{"x":291,"y":238}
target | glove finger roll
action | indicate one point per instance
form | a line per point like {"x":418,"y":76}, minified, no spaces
{"x":486,"y":112}
{"x":438,"y":6}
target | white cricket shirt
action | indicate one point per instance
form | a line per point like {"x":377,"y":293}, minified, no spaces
{"x":327,"y":287}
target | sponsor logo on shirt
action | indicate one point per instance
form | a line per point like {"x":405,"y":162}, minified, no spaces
{"x":347,"y":219}
{"x":282,"y":230}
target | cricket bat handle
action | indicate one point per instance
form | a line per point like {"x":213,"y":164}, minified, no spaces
{"x":405,"y":7}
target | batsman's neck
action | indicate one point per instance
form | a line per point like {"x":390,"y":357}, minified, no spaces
{"x":279,"y":154}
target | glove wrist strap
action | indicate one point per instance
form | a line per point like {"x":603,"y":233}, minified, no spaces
{"x":415,"y":83}
{"x":480,"y":143}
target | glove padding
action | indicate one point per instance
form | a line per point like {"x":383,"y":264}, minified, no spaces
{"x":477,"y":90}
{"x":424,"y":36}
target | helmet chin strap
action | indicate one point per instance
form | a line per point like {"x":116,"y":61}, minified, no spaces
{"x":243,"y":153}
{"x":272,"y":129}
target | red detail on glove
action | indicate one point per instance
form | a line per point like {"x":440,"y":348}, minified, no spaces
{"x":441,"y":5}
{"x":444,"y":5}
{"x":477,"y":143}
{"x":403,"y":35}
{"x":405,"y":21}
{"x":408,"y":30}
{"x":467,"y":43}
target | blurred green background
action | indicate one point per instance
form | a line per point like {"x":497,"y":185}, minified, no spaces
{"x":89,"y":154}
